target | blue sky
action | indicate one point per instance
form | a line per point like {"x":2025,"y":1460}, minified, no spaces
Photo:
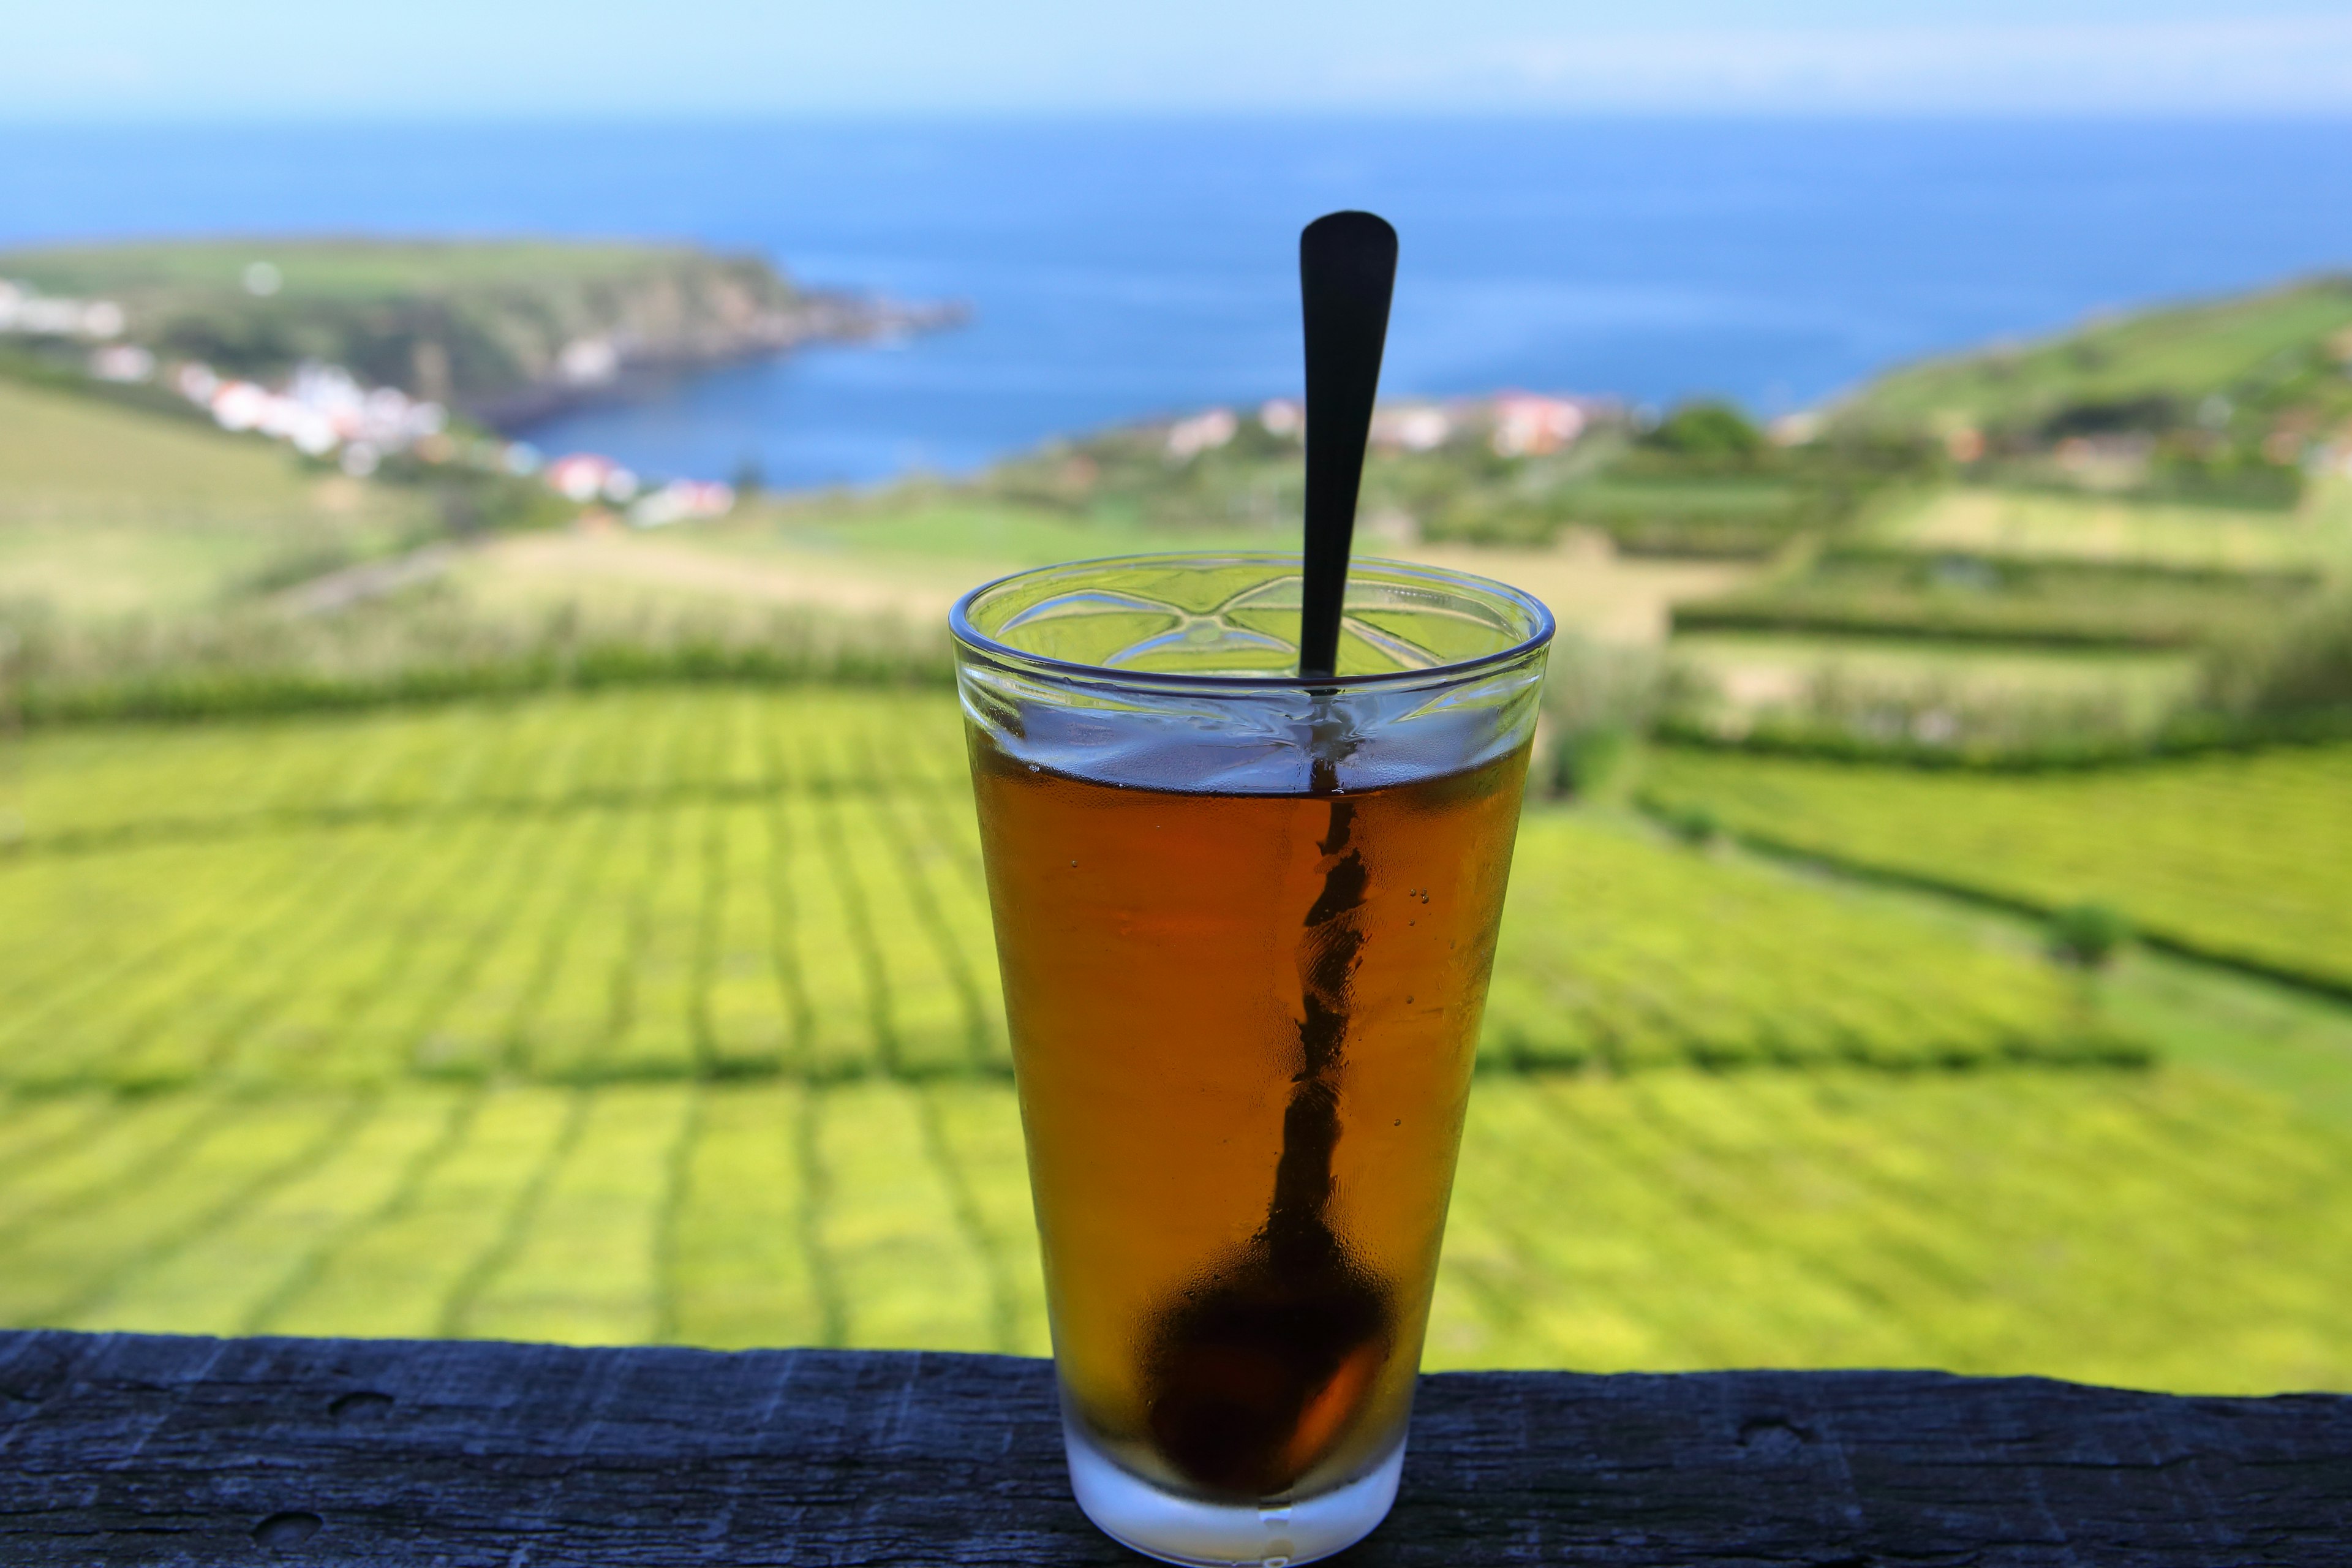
{"x":144,"y":59}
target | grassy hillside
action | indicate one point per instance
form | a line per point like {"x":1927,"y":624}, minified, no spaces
{"x":1651,"y":492}
{"x":1929,"y":698}
{"x":2021,"y":524}
{"x":107,"y":510}
{"x":2141,"y":623}
{"x":2048,"y":600}
{"x":2264,"y":350}
{"x":2170,"y":479}
{"x":143,"y":565}
{"x":478,"y":322}
{"x":1844,"y":537}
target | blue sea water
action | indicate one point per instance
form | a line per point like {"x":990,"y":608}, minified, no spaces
{"x":1119,"y":269}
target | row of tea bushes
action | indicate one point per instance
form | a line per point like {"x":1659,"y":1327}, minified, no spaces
{"x":1619,"y":953}
{"x":724,"y":884}
{"x":2062,"y":1224}
{"x":2244,"y":859}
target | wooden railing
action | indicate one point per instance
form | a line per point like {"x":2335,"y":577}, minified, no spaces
{"x":140,"y":1449}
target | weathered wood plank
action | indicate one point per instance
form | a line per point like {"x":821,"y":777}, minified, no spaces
{"x":143,"y":1450}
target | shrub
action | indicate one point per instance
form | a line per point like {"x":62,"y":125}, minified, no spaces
{"x":428,"y":647}
{"x":2304,"y":669}
{"x":1694,"y":824}
{"x":2229,"y":476}
{"x":1598,"y":697}
{"x":2087,"y":935}
{"x":1707,"y":430}
{"x":1584,"y":761}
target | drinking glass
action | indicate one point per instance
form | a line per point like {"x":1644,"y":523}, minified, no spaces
{"x":1245,"y":922}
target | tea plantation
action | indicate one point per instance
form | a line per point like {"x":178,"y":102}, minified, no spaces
{"x":2245,"y":859}
{"x":672,"y":1015}
{"x":721,"y":884}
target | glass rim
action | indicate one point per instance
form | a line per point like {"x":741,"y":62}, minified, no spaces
{"x":960,"y":628}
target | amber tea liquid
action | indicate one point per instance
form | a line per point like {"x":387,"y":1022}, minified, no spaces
{"x":1243,"y":1027}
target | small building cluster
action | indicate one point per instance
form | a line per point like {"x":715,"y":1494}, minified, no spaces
{"x":1411,"y":427}
{"x":587,"y":477}
{"x":682,"y":501}
{"x":1188,"y":439}
{"x":25,"y":311}
{"x":1525,"y":425}
{"x":1513,"y":423}
{"x":322,"y":409}
{"x":590,"y":479}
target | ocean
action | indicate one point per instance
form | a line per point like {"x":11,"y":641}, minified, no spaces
{"x":1122,"y":268}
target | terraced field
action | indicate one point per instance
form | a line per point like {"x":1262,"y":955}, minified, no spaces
{"x":1874,"y":591}
{"x":2165,"y":1230}
{"x":673,"y":1015}
{"x":719,"y":884}
{"x":2247,"y":859}
{"x":2054,"y":526}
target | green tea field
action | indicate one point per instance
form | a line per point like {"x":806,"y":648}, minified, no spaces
{"x":668,"y":884}
{"x":2246,"y":859}
{"x":2170,"y":1231}
{"x":672,"y":1015}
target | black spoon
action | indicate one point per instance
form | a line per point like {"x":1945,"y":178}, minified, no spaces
{"x":1347,"y":269}
{"x":1254,"y":1374}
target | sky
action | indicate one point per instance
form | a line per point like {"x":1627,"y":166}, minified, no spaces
{"x":459,"y":60}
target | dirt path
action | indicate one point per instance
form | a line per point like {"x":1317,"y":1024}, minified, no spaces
{"x":369,"y":579}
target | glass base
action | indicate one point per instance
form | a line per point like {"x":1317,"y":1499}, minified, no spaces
{"x":1198,"y":1534}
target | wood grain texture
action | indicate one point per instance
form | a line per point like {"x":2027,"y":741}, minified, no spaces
{"x":146,"y":1449}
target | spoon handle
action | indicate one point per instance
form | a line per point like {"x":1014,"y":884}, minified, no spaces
{"x":1347,"y":269}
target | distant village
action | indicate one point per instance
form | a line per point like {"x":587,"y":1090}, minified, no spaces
{"x":1514,"y":423}
{"x":325,"y":413}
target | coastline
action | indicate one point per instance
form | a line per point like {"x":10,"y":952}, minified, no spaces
{"x":638,"y":367}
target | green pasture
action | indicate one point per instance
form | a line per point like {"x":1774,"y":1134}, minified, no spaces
{"x":2244,"y":859}
{"x":914,"y":523}
{"x":1984,"y":622}
{"x":473,"y":319}
{"x":1756,"y":673}
{"x":2022,"y":524}
{"x":2245,"y":346}
{"x":109,"y":512}
{"x":2048,"y":601}
{"x":1647,"y":506}
{"x":671,"y":1015}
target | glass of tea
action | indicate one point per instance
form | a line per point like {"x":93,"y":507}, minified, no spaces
{"x":1245,"y":921}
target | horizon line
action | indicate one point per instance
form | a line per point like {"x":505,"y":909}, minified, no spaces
{"x":1793,"y":114}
